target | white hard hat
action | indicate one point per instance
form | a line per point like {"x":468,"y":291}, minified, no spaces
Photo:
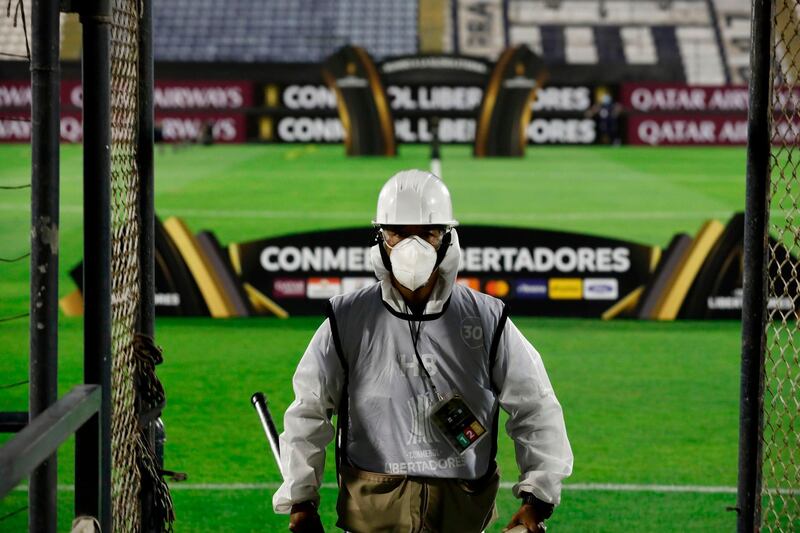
{"x":413,"y":197}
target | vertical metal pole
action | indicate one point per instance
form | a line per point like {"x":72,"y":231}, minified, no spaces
{"x":96,"y":22}
{"x":145,"y":164}
{"x":45,"y":137}
{"x":755,"y":269}
{"x":144,"y":161}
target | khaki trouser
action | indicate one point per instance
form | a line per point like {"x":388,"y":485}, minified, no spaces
{"x":370,"y":502}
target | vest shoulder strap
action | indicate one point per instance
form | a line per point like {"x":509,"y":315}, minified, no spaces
{"x":342,"y":414}
{"x":498,"y":332}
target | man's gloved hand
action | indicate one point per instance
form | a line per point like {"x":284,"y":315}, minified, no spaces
{"x":305,"y":519}
{"x":527,"y":516}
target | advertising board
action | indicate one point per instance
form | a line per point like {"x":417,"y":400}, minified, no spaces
{"x":418,"y":89}
{"x":180,"y":95}
{"x":16,"y":127}
{"x":651,"y":97}
{"x":191,"y":126}
{"x":289,"y":110}
{"x":15,"y":94}
{"x":301,"y":113}
{"x":687,"y":129}
{"x":174,"y":127}
{"x":682,"y":98}
{"x":184,"y":109}
{"x":536,"y":272}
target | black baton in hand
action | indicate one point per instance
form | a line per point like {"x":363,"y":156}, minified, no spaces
{"x":260,"y":403}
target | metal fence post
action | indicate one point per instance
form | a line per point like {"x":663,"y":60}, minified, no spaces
{"x":45,"y":138}
{"x":146,"y":180}
{"x":144,"y":157}
{"x":96,"y":22}
{"x":755,"y":243}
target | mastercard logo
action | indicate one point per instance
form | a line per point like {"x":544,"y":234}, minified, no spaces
{"x":497,"y":287}
{"x":472,"y":283}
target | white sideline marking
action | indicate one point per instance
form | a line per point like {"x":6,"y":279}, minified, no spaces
{"x":353,"y":215}
{"x":623,"y":487}
{"x":344,"y":215}
{"x":600,"y":487}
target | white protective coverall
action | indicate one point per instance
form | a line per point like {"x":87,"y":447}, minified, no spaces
{"x":388,"y":430}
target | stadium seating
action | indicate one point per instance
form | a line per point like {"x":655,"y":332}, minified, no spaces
{"x":613,"y":12}
{"x":632,"y":38}
{"x":639,"y":45}
{"x":12,"y":40}
{"x":623,"y":33}
{"x":275,"y":31}
{"x":734,"y":24}
{"x":700,"y":54}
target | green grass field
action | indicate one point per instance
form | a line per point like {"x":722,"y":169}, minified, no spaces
{"x":646,"y":404}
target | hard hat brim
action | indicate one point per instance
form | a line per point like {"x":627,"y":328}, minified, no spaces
{"x":448,"y":223}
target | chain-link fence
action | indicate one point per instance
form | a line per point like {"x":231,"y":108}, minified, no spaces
{"x":128,"y":494}
{"x":126,"y":482}
{"x":780,"y":439}
{"x":15,"y":46}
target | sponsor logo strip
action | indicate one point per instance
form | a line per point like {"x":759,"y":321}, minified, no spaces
{"x":601,"y":289}
{"x":565,"y":288}
{"x":323,"y":288}
{"x":357,"y":283}
{"x":531,"y":288}
{"x":497,"y":287}
{"x":472,"y":283}
{"x":289,"y":288}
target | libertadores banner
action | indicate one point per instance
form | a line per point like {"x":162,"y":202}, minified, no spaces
{"x":537,"y":272}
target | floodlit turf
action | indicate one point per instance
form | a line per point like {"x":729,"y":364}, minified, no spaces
{"x":251,"y":191}
{"x":645,"y":403}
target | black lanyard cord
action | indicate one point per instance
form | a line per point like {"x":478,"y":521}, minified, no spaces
{"x":414,"y":341}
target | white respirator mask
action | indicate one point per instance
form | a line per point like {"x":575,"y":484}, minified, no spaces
{"x":413,"y":260}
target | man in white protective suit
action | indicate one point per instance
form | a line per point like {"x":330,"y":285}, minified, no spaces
{"x":416,"y":368}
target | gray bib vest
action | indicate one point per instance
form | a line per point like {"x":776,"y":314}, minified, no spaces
{"x":384,"y":420}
